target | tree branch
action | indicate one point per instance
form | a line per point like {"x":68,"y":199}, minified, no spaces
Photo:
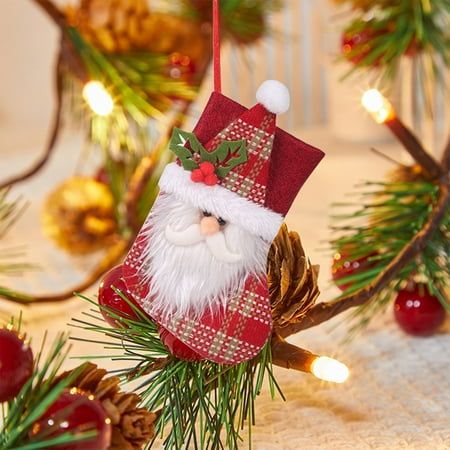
{"x":414,"y":147}
{"x":114,"y":255}
{"x":53,"y":137}
{"x":325,"y":311}
{"x":445,"y":162}
{"x":290,"y":356}
{"x":53,"y":12}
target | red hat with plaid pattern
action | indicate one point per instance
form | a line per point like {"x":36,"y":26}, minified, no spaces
{"x":239,"y":168}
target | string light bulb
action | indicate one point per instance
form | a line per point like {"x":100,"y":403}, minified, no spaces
{"x":377,"y":105}
{"x":329,"y":369}
{"x":98,"y":98}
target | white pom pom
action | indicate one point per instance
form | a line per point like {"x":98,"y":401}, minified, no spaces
{"x":274,"y":96}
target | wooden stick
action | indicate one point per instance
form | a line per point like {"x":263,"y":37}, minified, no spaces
{"x":414,"y":147}
{"x":290,"y":356}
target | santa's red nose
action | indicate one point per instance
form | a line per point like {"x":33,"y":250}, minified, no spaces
{"x":209,"y":226}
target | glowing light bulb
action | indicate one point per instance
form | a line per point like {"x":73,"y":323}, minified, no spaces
{"x":98,"y":98}
{"x":329,"y":369}
{"x":377,"y":105}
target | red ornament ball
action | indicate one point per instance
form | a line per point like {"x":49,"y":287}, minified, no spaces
{"x":78,"y":413}
{"x":355,"y":46}
{"x":343,"y":267}
{"x":16,"y":364}
{"x":111,"y":299}
{"x":178,"y":349}
{"x":181,"y":67}
{"x":418,"y":312}
{"x":102,"y":176}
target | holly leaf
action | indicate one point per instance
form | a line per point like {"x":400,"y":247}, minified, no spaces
{"x":178,"y":143}
{"x":227,"y":156}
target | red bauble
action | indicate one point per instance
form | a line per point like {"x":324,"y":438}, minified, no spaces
{"x":78,"y":413}
{"x":102,"y":176}
{"x":111,"y":299}
{"x":417,"y":311}
{"x":16,"y":364}
{"x":361,"y":43}
{"x":178,"y":348}
{"x":181,"y":67}
{"x":343,"y":266}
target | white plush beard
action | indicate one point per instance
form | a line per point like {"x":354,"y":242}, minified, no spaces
{"x":188,"y":280}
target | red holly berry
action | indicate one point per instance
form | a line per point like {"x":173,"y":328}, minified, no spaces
{"x":178,"y":349}
{"x":205,"y":174}
{"x":207,"y":168}
{"x":344,"y":266}
{"x":211,"y":180}
{"x":417,"y":311}
{"x":108,"y":297}
{"x":197,"y":176}
{"x":77,"y":413}
{"x":16,"y":364}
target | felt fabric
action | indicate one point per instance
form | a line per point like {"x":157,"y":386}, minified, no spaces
{"x":292,"y":161}
{"x":225,"y":336}
{"x":221,"y":202}
{"x":277,"y":167}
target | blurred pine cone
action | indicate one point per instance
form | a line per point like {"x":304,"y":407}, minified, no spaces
{"x":122,"y":26}
{"x":133,"y":427}
{"x":79,"y":215}
{"x":292,"y":279}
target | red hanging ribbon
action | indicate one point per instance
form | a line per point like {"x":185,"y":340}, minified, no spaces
{"x":216,"y":47}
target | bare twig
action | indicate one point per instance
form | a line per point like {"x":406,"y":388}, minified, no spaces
{"x":415,"y":148}
{"x":445,"y":162}
{"x":114,"y":255}
{"x":289,"y":356}
{"x":54,"y":132}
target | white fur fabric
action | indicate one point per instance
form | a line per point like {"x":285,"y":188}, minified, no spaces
{"x":221,"y":202}
{"x":189,"y":279}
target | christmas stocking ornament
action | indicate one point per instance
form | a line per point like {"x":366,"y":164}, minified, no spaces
{"x":198,"y":266}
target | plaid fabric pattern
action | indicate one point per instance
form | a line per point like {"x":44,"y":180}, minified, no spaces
{"x":249,"y":180}
{"x":225,"y":336}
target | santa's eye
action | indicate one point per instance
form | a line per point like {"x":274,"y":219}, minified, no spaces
{"x":206,"y":214}
{"x":221,"y":221}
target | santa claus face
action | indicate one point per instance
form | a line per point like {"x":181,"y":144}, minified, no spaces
{"x":193,"y":260}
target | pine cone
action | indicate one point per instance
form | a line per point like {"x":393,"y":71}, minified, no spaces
{"x":133,"y":427}
{"x":292,"y":279}
{"x":121,"y":26}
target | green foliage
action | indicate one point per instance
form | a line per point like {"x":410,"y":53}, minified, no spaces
{"x":377,"y":226}
{"x":20,"y":414}
{"x":200,"y":405}
{"x":243,"y":21}
{"x":225,"y":157}
{"x":141,"y":91}
{"x":418,"y":28}
{"x":10,"y":211}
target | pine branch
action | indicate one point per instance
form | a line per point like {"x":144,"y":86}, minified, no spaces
{"x":35,"y":397}
{"x":325,"y":311}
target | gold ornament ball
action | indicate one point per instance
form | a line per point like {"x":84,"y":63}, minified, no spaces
{"x":79,"y":215}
